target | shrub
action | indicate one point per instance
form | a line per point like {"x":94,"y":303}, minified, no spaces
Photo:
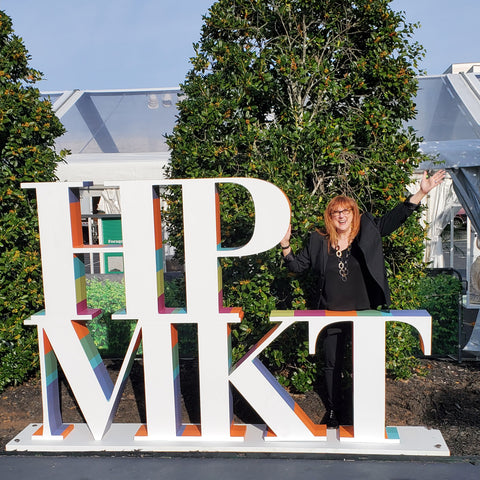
{"x":28,"y":128}
{"x":440,"y":296}
{"x":110,"y":336}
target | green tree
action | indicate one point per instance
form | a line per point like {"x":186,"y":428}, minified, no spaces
{"x":310,"y":95}
{"x":28,"y":128}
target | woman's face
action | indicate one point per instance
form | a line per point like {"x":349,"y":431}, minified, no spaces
{"x":342,"y":218}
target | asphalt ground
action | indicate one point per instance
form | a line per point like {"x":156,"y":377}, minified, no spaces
{"x":246,"y":467}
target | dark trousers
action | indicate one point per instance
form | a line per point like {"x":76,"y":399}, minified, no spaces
{"x":334,"y":354}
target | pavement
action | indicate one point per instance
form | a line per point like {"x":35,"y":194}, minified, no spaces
{"x":233,"y":467}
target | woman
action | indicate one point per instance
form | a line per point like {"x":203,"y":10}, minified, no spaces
{"x":350,"y":268}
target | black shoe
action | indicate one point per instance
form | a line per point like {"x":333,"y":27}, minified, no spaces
{"x":331,"y":419}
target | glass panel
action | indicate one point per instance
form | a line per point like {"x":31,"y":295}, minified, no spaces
{"x":441,"y":115}
{"x":124,"y":122}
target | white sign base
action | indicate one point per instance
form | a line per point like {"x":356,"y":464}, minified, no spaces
{"x":419,"y":441}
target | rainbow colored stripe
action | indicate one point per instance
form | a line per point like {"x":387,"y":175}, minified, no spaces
{"x":94,"y":358}
{"x":157,"y":227}
{"x":51,"y":377}
{"x":81,"y":288}
{"x":75,"y":217}
{"x":347,"y":431}
{"x":80,"y":283}
{"x":176,"y":375}
{"x":352,"y":313}
{"x":175,"y":361}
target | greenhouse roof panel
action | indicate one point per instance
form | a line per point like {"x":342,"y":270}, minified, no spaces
{"x":446,"y":108}
{"x":130,"y":121}
{"x":136,"y":121}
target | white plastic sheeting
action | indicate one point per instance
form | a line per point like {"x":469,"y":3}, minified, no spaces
{"x":109,"y":201}
{"x":436,"y":217}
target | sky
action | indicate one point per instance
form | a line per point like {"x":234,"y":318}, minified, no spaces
{"x":127,"y":44}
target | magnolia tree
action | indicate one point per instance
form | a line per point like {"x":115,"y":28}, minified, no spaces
{"x":310,"y":95}
{"x":28,"y":128}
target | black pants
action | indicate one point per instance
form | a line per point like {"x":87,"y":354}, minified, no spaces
{"x":334,"y":353}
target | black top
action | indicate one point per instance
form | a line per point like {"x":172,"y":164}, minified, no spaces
{"x":348,"y":291}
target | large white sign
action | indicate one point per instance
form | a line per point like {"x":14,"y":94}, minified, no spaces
{"x":64,"y":336}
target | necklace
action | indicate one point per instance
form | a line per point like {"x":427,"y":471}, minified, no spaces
{"x":342,"y":262}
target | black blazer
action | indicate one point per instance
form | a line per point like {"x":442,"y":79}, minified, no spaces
{"x":372,"y":229}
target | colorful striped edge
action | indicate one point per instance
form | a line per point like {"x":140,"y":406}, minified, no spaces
{"x":96,"y":362}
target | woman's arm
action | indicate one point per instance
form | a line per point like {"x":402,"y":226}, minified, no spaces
{"x":393,"y":219}
{"x":303,"y":260}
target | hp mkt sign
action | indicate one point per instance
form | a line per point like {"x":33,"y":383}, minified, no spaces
{"x":65,"y":339}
